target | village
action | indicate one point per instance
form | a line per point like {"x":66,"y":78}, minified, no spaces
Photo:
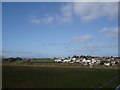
{"x":83,"y":60}
{"x":89,"y":60}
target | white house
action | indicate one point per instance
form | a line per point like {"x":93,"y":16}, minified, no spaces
{"x":107,"y":64}
{"x":73,"y":59}
{"x":98,"y":61}
{"x":78,"y":60}
{"x":58,"y":60}
{"x":83,"y":60}
{"x":66,"y":60}
{"x":93,"y":61}
{"x":113,"y":62}
{"x":88,"y":61}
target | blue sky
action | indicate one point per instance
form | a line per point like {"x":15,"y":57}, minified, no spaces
{"x":54,"y":29}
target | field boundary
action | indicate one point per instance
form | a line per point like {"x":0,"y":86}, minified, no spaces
{"x":60,"y":65}
{"x":118,"y":87}
{"x":105,"y":84}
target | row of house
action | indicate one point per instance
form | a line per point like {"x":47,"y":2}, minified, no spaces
{"x":75,"y":60}
{"x":90,"y":61}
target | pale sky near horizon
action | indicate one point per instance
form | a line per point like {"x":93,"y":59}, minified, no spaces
{"x":58,"y":29}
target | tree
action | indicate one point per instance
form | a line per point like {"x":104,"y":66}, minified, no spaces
{"x":18,"y":58}
{"x":116,"y":62}
{"x":74,"y":56}
{"x":77,"y":56}
{"x":111,"y":56}
{"x":55,"y":58}
{"x":69,"y":57}
{"x":11,"y":59}
{"x":101,"y":63}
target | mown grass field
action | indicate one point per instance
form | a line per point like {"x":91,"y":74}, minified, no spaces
{"x":56,"y":77}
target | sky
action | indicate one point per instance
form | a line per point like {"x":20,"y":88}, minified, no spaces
{"x":59,"y":29}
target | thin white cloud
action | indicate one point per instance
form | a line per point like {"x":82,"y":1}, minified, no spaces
{"x":16,"y":53}
{"x":95,"y":49}
{"x":93,"y":46}
{"x":90,"y":11}
{"x":110,"y":32}
{"x":66,"y":12}
{"x":57,"y":44}
{"x":47,"y":19}
{"x":102,"y":49}
{"x":35,"y":20}
{"x":82,"y":39}
{"x":23,"y":54}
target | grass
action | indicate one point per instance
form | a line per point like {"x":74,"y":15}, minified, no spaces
{"x":114,"y":83}
{"x":19,"y":61}
{"x":46,"y":60}
{"x":55,"y":77}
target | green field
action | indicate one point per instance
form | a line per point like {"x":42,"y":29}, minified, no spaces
{"x":57,"y":77}
{"x":19,"y":61}
{"x":46,"y":60}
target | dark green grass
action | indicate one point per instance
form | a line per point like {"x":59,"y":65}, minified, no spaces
{"x":55,"y":77}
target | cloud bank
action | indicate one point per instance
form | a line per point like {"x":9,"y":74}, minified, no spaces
{"x":84,"y":11}
{"x":90,"y":11}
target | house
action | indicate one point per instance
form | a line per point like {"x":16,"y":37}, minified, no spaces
{"x":98,"y":61}
{"x":113,"y":62}
{"x":66,"y":60}
{"x":78,"y":60}
{"x":73,"y":59}
{"x":83,"y":60}
{"x":93,"y":60}
{"x":88,"y":61}
{"x":58,"y":60}
{"x":107,"y":64}
{"x":107,"y":59}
